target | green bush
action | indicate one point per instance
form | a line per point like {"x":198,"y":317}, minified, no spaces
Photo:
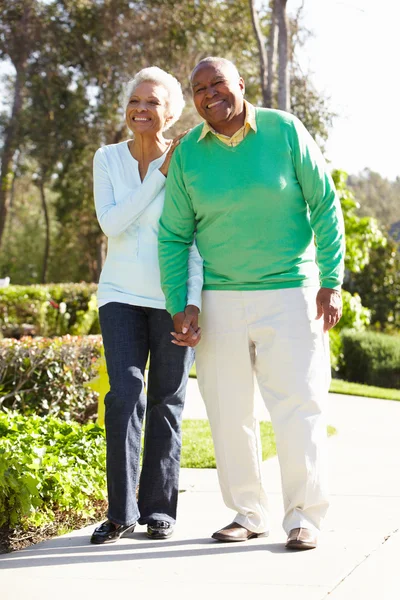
{"x":46,"y":375}
{"x":48,"y":465}
{"x":48,"y":310}
{"x":336,"y":353}
{"x":371,"y":358}
{"x":355,"y":316}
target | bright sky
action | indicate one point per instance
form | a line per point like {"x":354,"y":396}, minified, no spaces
{"x":354,"y":56}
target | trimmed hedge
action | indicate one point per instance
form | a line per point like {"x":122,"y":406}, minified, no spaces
{"x":371,"y":358}
{"x":46,"y":376}
{"x":49,"y":466}
{"x":48,"y":310}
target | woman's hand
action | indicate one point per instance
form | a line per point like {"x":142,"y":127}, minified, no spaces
{"x":175,"y":142}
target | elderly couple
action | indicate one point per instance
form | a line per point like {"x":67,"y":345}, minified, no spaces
{"x":234,"y":225}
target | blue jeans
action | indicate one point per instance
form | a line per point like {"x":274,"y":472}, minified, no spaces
{"x":130,"y":334}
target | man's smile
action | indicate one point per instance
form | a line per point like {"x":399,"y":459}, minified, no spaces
{"x":216,"y":103}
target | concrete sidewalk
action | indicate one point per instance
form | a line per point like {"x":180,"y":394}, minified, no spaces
{"x":357,"y":557}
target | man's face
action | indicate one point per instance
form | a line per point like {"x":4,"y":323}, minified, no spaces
{"x":218,"y":95}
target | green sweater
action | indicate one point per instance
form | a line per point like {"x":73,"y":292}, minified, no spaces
{"x":254,"y":209}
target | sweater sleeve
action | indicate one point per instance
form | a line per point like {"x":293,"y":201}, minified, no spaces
{"x":325,"y":210}
{"x":115,"y":217}
{"x":177,"y":227}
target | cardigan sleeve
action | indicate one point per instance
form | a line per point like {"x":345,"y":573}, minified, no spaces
{"x":115,"y":217}
{"x":195,"y":277}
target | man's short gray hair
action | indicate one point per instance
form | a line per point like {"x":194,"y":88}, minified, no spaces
{"x":175,"y":102}
{"x":216,"y":60}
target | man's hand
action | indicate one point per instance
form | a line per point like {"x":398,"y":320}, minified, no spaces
{"x":186,"y":324}
{"x":329,"y":304}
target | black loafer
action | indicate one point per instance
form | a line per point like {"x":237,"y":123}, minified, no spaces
{"x":107,"y":532}
{"x":159,"y":530}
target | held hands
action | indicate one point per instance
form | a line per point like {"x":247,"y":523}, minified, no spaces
{"x":187,"y":331}
{"x":175,"y":142}
{"x":329,"y":305}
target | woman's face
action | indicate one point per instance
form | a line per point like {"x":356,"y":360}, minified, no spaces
{"x":147,"y":112}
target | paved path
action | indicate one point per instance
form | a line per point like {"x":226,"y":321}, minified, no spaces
{"x":357,"y":557}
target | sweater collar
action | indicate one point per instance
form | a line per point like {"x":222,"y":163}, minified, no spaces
{"x":249,"y":122}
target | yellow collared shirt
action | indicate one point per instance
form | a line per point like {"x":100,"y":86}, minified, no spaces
{"x":249,"y":123}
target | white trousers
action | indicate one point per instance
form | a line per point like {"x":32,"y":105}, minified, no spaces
{"x":274,"y":334}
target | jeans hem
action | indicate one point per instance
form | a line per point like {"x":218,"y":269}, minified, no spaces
{"x":156,"y":517}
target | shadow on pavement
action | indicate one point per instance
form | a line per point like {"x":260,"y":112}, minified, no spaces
{"x":65,"y":553}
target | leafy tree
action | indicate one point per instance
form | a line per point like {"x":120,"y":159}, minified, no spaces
{"x":19,"y":39}
{"x":363,"y":234}
{"x":278,"y":22}
{"x":283,"y":83}
{"x":379,"y":286}
{"x":378,"y":197}
{"x":372,"y":260}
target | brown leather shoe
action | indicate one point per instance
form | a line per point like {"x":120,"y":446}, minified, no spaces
{"x":235,"y":533}
{"x":301,"y":539}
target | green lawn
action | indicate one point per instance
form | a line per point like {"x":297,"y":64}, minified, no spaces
{"x":197,"y":446}
{"x":338,"y":386}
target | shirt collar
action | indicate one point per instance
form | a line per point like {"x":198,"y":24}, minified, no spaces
{"x":250,"y":120}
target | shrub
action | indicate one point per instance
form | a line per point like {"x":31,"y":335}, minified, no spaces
{"x":48,"y":465}
{"x":355,"y":316}
{"x":335,"y":347}
{"x":48,"y":310}
{"x":371,"y":358}
{"x":46,"y":375}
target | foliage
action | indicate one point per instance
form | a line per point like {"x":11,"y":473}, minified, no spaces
{"x":372,"y":259}
{"x":379,"y":286}
{"x":40,"y":376}
{"x":47,"y":465}
{"x":311,"y":107}
{"x":355,"y":317}
{"x":362,"y":233}
{"x":73,"y":248}
{"x":335,"y":349}
{"x":371,"y":358}
{"x":378,"y":196}
{"x":48,"y":310}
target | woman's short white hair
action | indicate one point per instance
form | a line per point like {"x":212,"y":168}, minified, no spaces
{"x":175,"y":102}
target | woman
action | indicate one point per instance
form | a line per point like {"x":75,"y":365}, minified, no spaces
{"x":129,"y":180}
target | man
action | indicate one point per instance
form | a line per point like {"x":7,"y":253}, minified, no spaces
{"x":253,"y":187}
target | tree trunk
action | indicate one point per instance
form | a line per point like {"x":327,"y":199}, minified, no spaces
{"x":271,"y":57}
{"x":261,"y":43}
{"x":283,"y":57}
{"x":17,"y":158}
{"x":19,"y":60}
{"x":47,"y":223}
{"x":9,"y":149}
